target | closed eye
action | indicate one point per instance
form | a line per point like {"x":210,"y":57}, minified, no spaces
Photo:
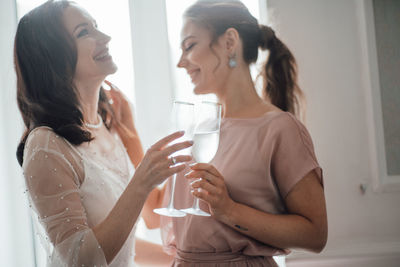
{"x":83,"y":32}
{"x":187,"y":49}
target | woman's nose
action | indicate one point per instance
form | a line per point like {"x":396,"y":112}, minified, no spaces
{"x":103,"y":38}
{"x":181,"y":62}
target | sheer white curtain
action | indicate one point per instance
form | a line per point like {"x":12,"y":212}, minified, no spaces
{"x":16,"y":247}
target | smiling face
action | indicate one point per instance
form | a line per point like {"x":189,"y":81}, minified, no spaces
{"x":93,"y":60}
{"x":206,"y":64}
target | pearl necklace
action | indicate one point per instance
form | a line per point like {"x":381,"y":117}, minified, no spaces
{"x":95,"y":126}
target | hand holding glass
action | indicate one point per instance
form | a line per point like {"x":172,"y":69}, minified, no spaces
{"x":182,"y":120}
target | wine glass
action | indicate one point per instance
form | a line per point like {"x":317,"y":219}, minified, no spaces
{"x":206,"y":141}
{"x":182,"y":120}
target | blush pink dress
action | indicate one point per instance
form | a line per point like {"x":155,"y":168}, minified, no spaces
{"x":261,"y":160}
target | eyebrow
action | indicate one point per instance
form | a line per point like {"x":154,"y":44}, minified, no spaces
{"x":186,"y":38}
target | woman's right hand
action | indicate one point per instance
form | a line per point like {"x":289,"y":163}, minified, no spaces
{"x":157,"y":164}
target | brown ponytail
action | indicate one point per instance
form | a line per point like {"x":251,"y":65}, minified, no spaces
{"x":280,"y":73}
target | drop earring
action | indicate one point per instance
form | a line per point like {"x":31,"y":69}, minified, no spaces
{"x":232,"y":61}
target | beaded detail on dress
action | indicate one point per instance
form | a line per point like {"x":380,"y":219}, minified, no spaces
{"x":73,"y":188}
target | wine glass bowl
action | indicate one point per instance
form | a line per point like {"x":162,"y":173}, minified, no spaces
{"x":206,"y":141}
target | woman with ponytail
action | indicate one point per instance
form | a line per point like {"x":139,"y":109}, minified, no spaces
{"x":264,"y":187}
{"x":78,"y":150}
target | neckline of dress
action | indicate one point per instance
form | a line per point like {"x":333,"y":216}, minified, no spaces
{"x":81,"y":152}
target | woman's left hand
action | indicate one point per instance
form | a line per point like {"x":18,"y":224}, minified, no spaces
{"x":210,"y":187}
{"x":121,"y":106}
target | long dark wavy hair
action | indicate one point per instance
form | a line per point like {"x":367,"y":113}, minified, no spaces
{"x":280,"y":70}
{"x":45,"y":59}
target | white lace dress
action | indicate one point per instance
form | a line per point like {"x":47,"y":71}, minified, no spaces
{"x":71,"y":189}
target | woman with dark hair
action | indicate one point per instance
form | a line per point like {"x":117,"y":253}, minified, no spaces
{"x":264,"y":187}
{"x":79,"y":176}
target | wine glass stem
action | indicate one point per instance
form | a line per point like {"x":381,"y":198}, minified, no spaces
{"x":171,"y":199}
{"x":196,"y":204}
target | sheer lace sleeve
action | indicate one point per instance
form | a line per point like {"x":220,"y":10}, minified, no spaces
{"x":52,"y":173}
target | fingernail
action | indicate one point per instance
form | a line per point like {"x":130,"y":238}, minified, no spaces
{"x":181,"y":132}
{"x":192,"y":164}
{"x":191,"y":142}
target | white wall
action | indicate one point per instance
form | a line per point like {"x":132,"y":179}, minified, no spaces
{"x":328,"y":40}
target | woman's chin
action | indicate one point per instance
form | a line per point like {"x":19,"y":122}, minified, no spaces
{"x":200,"y":90}
{"x":113,"y":68}
{"x":109,"y":68}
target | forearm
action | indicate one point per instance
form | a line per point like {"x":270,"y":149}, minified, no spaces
{"x":155,"y":167}
{"x":305,"y":226}
{"x":277,"y":230}
{"x":154,"y":201}
{"x":112,"y":233}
